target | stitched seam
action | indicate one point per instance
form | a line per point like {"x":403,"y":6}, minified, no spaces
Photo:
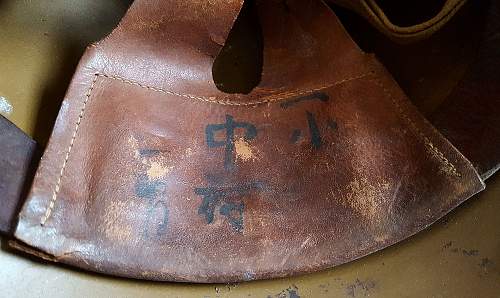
{"x":426,"y":140}
{"x":53,"y":200}
{"x":267,"y":99}
{"x":57,"y":187}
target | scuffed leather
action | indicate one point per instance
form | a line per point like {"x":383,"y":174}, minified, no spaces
{"x":152,"y":172}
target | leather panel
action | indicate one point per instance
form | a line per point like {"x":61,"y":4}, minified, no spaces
{"x":153,"y":173}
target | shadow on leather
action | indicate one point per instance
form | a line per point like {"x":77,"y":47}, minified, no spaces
{"x":430,"y":69}
{"x":74,"y":43}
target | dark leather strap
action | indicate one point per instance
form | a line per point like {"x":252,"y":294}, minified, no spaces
{"x":17,"y":154}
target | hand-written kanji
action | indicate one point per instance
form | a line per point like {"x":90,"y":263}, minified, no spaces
{"x":229,"y":201}
{"x":316,"y":137}
{"x":226,"y":195}
{"x":229,"y":128}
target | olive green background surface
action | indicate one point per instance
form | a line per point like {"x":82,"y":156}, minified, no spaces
{"x":40,"y":45}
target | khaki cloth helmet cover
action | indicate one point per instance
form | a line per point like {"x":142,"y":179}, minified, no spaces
{"x":152,"y":172}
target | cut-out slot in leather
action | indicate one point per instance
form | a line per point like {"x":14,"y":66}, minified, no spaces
{"x":238,"y":67}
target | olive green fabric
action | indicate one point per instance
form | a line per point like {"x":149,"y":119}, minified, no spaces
{"x":40,"y":44}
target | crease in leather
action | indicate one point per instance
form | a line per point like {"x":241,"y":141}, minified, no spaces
{"x":279,"y":96}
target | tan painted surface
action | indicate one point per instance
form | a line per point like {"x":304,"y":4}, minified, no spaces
{"x":40,"y":44}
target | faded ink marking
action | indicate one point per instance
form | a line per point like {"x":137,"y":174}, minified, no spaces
{"x":314,"y":130}
{"x":149,"y":152}
{"x":295,"y":136}
{"x":234,"y":213}
{"x":160,"y":226}
{"x":470,"y":253}
{"x":248,"y":276}
{"x":229,"y":127}
{"x":332,"y":124}
{"x":466,"y":252}
{"x":486,"y":263}
{"x":219,"y":196}
{"x":447,"y":245}
{"x":313,"y":96}
{"x":147,"y":189}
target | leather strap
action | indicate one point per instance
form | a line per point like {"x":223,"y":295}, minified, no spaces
{"x":17,"y":157}
{"x":403,"y":34}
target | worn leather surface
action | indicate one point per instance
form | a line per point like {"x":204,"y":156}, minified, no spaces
{"x":451,"y":77}
{"x":469,"y":118}
{"x":152,"y":172}
{"x":17,"y":152}
{"x":373,"y":11}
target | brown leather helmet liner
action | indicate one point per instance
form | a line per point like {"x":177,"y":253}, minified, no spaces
{"x":152,"y":172}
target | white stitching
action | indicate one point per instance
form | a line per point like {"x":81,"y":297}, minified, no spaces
{"x":426,"y":140}
{"x":68,"y":152}
{"x":57,"y":187}
{"x":267,"y":99}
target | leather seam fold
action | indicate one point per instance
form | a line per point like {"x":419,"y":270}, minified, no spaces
{"x":214,"y":100}
{"x":412,"y":124}
{"x":57,"y":187}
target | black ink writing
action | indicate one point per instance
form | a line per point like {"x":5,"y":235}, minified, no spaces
{"x":314,"y":131}
{"x":321,"y":96}
{"x":226,"y":198}
{"x":158,"y":212}
{"x":149,"y":189}
{"x":229,"y":128}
